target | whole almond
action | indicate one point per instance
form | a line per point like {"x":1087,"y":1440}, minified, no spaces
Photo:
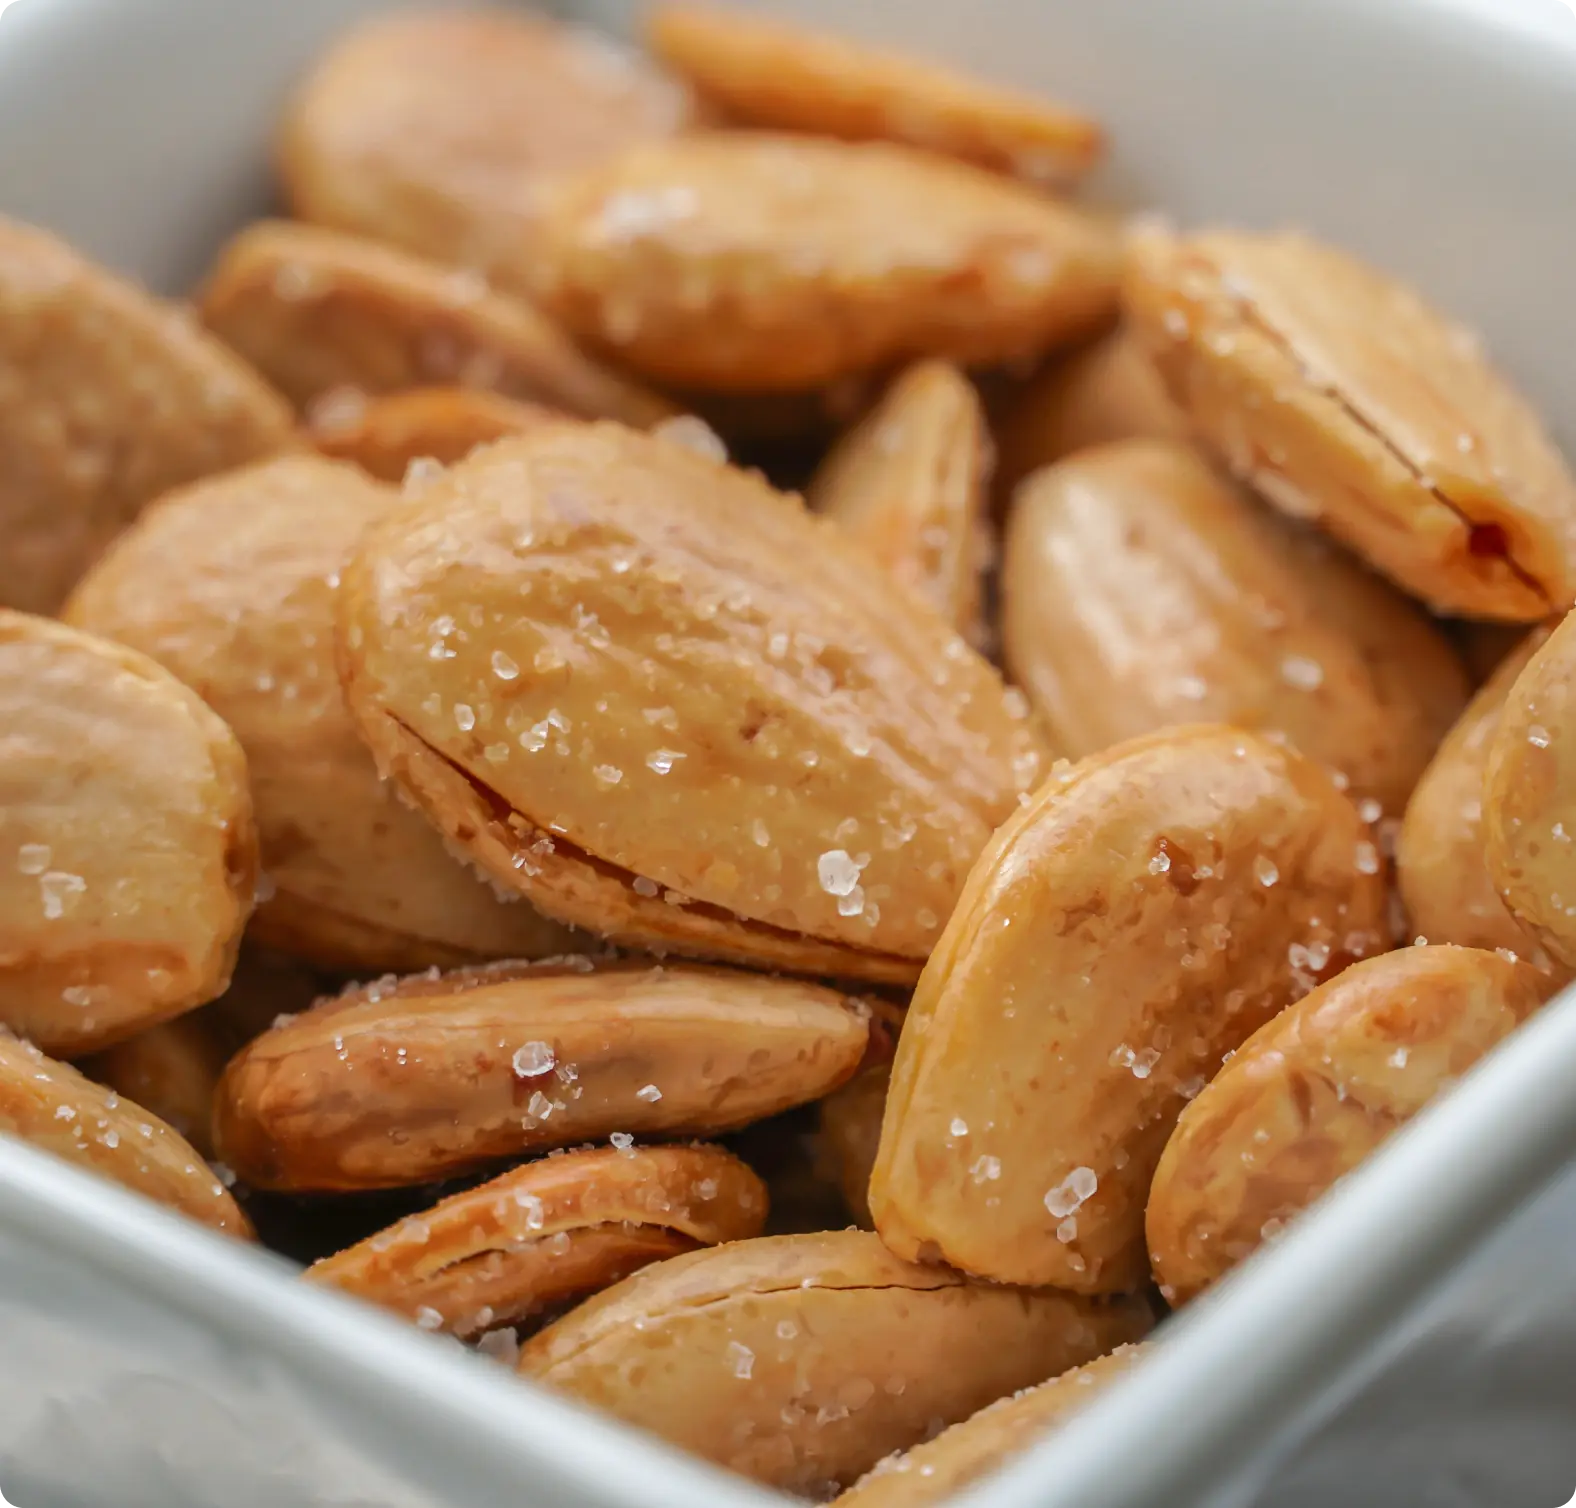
{"x":434,"y":130}
{"x":910,"y":484}
{"x":749,"y":261}
{"x":230,"y":585}
{"x":668,"y":704}
{"x":1141,"y":590}
{"x":801,"y":1361}
{"x":402,"y":1082}
{"x":1341,"y":396}
{"x":108,"y":398}
{"x":1146,"y":912}
{"x":128,"y":857}
{"x":1313,"y":1093}
{"x":54,"y":1108}
{"x":762,"y":71}
{"x":554,"y":1230}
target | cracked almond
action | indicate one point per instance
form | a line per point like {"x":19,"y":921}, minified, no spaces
{"x":1340,"y":395}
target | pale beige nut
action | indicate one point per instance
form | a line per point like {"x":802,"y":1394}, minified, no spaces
{"x":762,"y":71}
{"x":986,"y":1441}
{"x":1341,"y":396}
{"x":1529,"y":796}
{"x":108,"y":397}
{"x":910,"y":483}
{"x":1107,"y":390}
{"x":172,"y":1070}
{"x":1441,"y":868}
{"x":328,"y":316}
{"x":1141,"y":589}
{"x":54,"y":1108}
{"x":670,"y":705}
{"x":230,"y":585}
{"x":749,"y":261}
{"x":550,"y":1232}
{"x":1146,"y":912}
{"x":435,"y":130}
{"x":801,"y":1361}
{"x":385,"y":435}
{"x":128,"y":856}
{"x":1315,"y":1092}
{"x":402,"y":1082}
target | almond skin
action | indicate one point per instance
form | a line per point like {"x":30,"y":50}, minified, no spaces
{"x":667,"y":704}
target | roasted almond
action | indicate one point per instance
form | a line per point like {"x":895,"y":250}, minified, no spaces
{"x":128,"y":857}
{"x":57,"y":1110}
{"x":1314,"y":1092}
{"x":550,"y":1232}
{"x":110,"y":398}
{"x":668,"y":704}
{"x":763,"y":71}
{"x":1145,"y":913}
{"x":750,"y":261}
{"x":1340,"y":395}
{"x":230,"y":585}
{"x":328,"y":316}
{"x":1140,"y":590}
{"x":402,"y":1082}
{"x":801,"y":1361}
{"x":910,"y":483}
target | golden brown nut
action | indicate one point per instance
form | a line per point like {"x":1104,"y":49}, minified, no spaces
{"x":434,"y":130}
{"x":58,"y":1111}
{"x":128,"y":858}
{"x":803,"y":1360}
{"x":1441,"y":869}
{"x":1106,"y":391}
{"x":405,"y":1081}
{"x":171,"y":1069}
{"x":1529,"y":795}
{"x":383,"y":436}
{"x":1314,"y":1092}
{"x":767,"y":72}
{"x":910,"y":484}
{"x":742,"y":260}
{"x":1136,"y":921}
{"x":551,"y":1231}
{"x":668,"y":704}
{"x":110,"y":398}
{"x":230,"y":585}
{"x":324,"y":314}
{"x":1140,"y":589}
{"x":1341,"y":396}
{"x":934,"y":1471}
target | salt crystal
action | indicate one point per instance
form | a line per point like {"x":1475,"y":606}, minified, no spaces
{"x":1075,"y":1190}
{"x":503,"y":667}
{"x":622,"y":1141}
{"x":985,"y":1169}
{"x":1538,"y":736}
{"x":741,"y":1359}
{"x":464,"y":717}
{"x":539,"y":1107}
{"x":1264,"y":871}
{"x":607,"y":774}
{"x":534,"y":1213}
{"x":33,"y":858}
{"x":662,"y":760}
{"x":534,"y":1058}
{"x":1160,"y":863}
{"x":839,"y":874}
{"x":56,"y":888}
{"x":1367,"y":858}
{"x":649,"y":1093}
{"x":1302,"y":673}
{"x":428,"y":1319}
{"x":959,"y":1126}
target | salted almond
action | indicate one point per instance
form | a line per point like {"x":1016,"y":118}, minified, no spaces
{"x":549,"y":1232}
{"x":986,"y":1441}
{"x":1141,"y":589}
{"x":230,"y":585}
{"x":1441,"y":868}
{"x":54,"y":1108}
{"x":110,"y":397}
{"x":1146,"y":912}
{"x":801,"y":1361}
{"x":910,"y":483}
{"x":128,"y":857}
{"x":172,"y":1069}
{"x":383,"y":436}
{"x":434,"y":130}
{"x":1106,"y":391}
{"x":1315,"y":1092}
{"x":762,"y":71}
{"x":1529,"y":795}
{"x":1341,"y":396}
{"x":328,"y":316}
{"x":402,"y":1082}
{"x":749,"y":261}
{"x":666,"y":703}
